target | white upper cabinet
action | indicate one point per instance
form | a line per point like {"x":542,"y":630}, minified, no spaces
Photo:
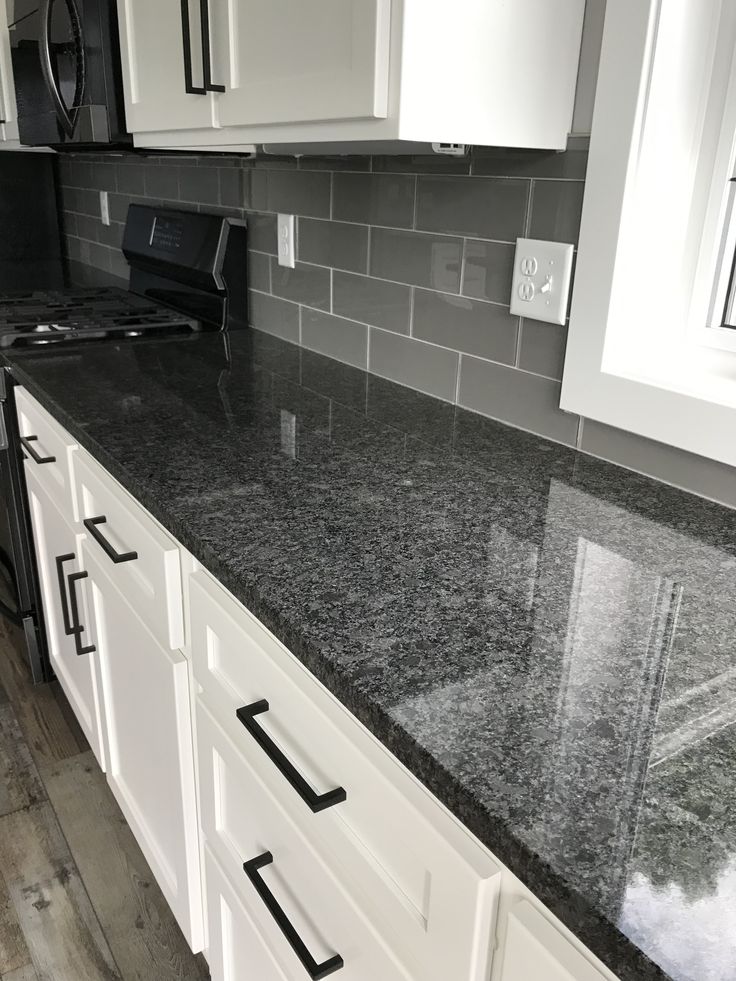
{"x":163,"y":70}
{"x":286,"y":62}
{"x":486,"y":72}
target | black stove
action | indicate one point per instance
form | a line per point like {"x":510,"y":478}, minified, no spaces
{"x":49,"y":316}
{"x":187,"y":273}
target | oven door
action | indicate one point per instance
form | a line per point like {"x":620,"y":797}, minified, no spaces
{"x":50,"y":62}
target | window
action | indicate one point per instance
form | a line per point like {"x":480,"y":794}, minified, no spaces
{"x":649,"y":349}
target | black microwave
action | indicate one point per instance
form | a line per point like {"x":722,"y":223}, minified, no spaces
{"x":66,"y":67}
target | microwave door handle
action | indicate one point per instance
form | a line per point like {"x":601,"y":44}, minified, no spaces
{"x":67,"y":117}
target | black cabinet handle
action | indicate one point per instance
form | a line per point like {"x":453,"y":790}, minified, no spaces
{"x":60,"y":562}
{"x":186,"y":31}
{"x":204,"y":7}
{"x":77,"y":627}
{"x":316,"y":802}
{"x":91,"y":525}
{"x":314,"y":970}
{"x":27,"y":444}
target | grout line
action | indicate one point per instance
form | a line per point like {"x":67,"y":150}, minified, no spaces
{"x":416,"y":202}
{"x":332,"y":291}
{"x":462,"y":268}
{"x":457,"y":380}
{"x":529,"y":206}
{"x":368,"y":255}
{"x":517,"y":355}
{"x":579,"y":438}
{"x":412,"y":302}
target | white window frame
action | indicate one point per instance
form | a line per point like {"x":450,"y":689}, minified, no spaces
{"x":643,"y":352}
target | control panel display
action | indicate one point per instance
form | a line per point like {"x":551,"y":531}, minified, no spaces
{"x":167,"y":233}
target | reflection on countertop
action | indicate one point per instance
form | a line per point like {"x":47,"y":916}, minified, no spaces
{"x":545,"y":640}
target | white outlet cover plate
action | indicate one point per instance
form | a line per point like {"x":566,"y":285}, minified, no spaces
{"x":286,"y":240}
{"x":542,"y":277}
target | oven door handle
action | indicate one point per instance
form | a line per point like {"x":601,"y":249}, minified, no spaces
{"x":67,"y":116}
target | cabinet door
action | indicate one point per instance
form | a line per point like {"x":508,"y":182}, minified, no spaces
{"x":150,"y":762}
{"x":535,"y":949}
{"x":57,"y":556}
{"x":287,"y":61}
{"x":154,"y":43}
{"x":8,"y":115}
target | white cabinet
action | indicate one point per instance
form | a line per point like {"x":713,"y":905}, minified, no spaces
{"x":286,"y":62}
{"x":8,"y":114}
{"x":57,"y":556}
{"x":535,"y":949}
{"x":150,"y":762}
{"x":326,"y":71}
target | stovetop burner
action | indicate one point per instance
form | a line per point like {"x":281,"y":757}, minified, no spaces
{"x":49,"y":316}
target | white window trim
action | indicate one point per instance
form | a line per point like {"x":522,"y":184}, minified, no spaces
{"x":640,"y":353}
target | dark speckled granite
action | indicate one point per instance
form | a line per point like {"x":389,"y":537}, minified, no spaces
{"x":546,"y":641}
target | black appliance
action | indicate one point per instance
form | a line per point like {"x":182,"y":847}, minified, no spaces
{"x":30,"y":243}
{"x":187,"y":274}
{"x":66,"y":67}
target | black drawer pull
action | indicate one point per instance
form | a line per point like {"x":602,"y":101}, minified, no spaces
{"x":91,"y":525}
{"x":27,"y":443}
{"x":313,"y":969}
{"x":61,"y":560}
{"x":77,"y":627}
{"x":316,"y":802}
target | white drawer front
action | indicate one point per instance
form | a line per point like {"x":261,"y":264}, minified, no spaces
{"x":430,"y":888}
{"x":242,"y":822}
{"x":535,"y":949}
{"x":47,"y":449}
{"x":142,"y":560}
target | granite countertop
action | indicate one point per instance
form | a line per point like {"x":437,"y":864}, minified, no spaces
{"x":545,"y":640}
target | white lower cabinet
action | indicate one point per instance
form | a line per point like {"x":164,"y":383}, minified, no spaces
{"x":534,"y":949}
{"x":58,"y":560}
{"x":150,"y":762}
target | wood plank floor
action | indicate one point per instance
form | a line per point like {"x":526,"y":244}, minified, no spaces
{"x":78,"y":901}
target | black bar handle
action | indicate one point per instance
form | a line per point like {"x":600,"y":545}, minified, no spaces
{"x":27,"y":444}
{"x":314,"y":970}
{"x":91,"y":525}
{"x":69,"y":628}
{"x":77,"y":627}
{"x":316,"y":802}
{"x":204,"y":7}
{"x":186,"y":31}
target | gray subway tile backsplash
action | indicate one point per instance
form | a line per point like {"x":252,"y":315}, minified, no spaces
{"x":470,"y":326}
{"x":336,"y":337}
{"x":480,"y":207}
{"x":404,"y":266}
{"x":372,"y":301}
{"x":431,"y":261}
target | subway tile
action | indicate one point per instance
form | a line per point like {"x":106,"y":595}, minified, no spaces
{"x":431,"y":261}
{"x":162,"y":182}
{"x":556,"y":210}
{"x":680,"y":468}
{"x":69,"y":223}
{"x":333,"y":243}
{"x":259,"y":271}
{"x":111,"y":234}
{"x":231,"y":187}
{"x":496,"y":162}
{"x":425,"y":163}
{"x":470,"y":326}
{"x":352,"y":162}
{"x":104,"y":177}
{"x":480,"y":207}
{"x":274,"y":316}
{"x":88,"y":202}
{"x":131,"y":180}
{"x":372,"y":301}
{"x":199,"y":184}
{"x":413,"y":363}
{"x":337,"y":338}
{"x":99,"y":256}
{"x":516,"y":397}
{"x":489,"y":271}
{"x":119,"y":264}
{"x":542,"y":348}
{"x":303,"y":284}
{"x":374,"y":199}
{"x":341,"y":382}
{"x":261,"y":232}
{"x":291,"y":192}
{"x":88,"y":227}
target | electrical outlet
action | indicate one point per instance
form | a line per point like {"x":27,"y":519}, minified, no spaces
{"x":286,"y":241}
{"x":542,"y":276}
{"x":104,"y":208}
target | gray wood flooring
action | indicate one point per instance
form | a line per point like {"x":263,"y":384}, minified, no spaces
{"x":78,"y":901}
